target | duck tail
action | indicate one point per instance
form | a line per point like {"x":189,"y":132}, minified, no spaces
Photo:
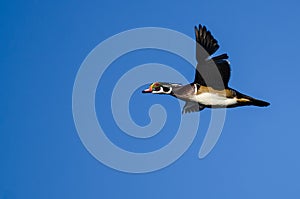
{"x":261,"y":103}
{"x":247,"y":100}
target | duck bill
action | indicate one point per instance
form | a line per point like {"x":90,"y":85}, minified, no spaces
{"x":149,"y":90}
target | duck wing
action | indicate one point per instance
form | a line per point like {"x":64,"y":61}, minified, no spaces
{"x":213,"y":72}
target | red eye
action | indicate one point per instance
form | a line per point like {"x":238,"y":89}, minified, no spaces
{"x":156,"y":88}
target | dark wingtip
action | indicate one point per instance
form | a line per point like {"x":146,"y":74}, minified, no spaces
{"x":205,"y":39}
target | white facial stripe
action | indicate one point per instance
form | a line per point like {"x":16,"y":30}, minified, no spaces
{"x":161,"y":90}
{"x":170,"y":90}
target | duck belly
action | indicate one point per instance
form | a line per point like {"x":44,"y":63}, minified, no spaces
{"x":212,"y":99}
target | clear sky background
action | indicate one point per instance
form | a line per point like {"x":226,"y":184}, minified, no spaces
{"x":42,"y":45}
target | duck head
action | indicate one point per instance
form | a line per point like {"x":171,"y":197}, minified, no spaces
{"x":160,"y":88}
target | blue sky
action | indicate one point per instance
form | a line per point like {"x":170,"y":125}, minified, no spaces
{"x":42,"y":45}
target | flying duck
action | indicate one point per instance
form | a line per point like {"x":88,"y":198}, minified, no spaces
{"x":210,"y":88}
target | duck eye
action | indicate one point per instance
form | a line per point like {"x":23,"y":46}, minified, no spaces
{"x":156,"y":88}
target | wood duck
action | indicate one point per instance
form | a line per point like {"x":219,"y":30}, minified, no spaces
{"x":210,"y":87}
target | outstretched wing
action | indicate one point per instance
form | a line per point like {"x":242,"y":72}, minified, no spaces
{"x":213,"y":72}
{"x":192,"y":107}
